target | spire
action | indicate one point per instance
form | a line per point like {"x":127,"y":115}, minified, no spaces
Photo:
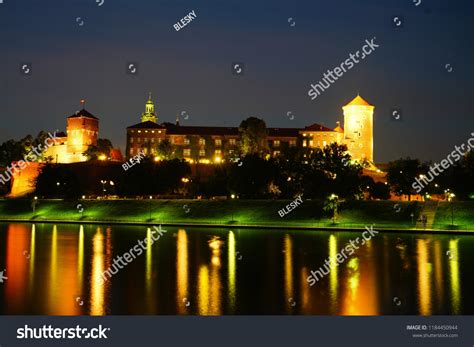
{"x":149,"y":114}
{"x":83,"y":103}
{"x":177,"y":118}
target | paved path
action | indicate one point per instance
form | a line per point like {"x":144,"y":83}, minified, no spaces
{"x":429,"y":210}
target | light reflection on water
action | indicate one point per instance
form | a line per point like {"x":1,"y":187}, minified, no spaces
{"x":53,"y":269}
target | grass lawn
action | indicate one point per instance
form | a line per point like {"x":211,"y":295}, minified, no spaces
{"x":258,"y":212}
{"x":463,"y":212}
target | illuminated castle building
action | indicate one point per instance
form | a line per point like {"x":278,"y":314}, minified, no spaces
{"x":212,"y":144}
{"x":82,"y":132}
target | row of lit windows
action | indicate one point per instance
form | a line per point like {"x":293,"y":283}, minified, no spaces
{"x":146,"y":131}
{"x":311,"y":143}
{"x":78,"y":132}
{"x":319,"y":134}
{"x":145,"y":140}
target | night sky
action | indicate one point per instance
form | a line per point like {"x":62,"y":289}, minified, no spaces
{"x":190,"y":70}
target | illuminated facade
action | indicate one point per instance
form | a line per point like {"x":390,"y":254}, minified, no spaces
{"x":214,"y":144}
{"x":82,"y":132}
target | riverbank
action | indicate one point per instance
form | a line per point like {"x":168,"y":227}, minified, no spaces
{"x":386,"y":215}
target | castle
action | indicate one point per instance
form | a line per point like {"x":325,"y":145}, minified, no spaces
{"x":198,"y":144}
{"x":82,"y":132}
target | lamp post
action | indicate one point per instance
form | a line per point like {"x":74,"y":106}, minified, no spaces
{"x":103,"y":187}
{"x":149,"y":207}
{"x":232,"y":207}
{"x":451,"y":198}
{"x":33,"y":204}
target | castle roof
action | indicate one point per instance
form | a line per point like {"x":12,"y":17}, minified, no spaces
{"x":146,"y":125}
{"x":358,"y":101}
{"x":83,"y":113}
{"x":172,"y":129}
{"x":316,"y":127}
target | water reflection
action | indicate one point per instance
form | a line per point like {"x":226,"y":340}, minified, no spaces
{"x":56,"y":269}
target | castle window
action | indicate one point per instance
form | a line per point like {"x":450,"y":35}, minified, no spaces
{"x":139,"y":131}
{"x":325,"y":143}
{"x":131,"y":140}
{"x":139,"y":140}
{"x":132,"y":131}
{"x":131,"y":151}
{"x":153,"y":131}
{"x":202,"y":141}
{"x":217,"y":152}
{"x":186,"y":141}
{"x":276,"y":153}
{"x":202,"y":153}
{"x":232,"y":142}
{"x":218,"y":142}
{"x":292,"y":143}
{"x":276,"y":143}
{"x":152,"y":140}
{"x":146,"y":131}
{"x":187,"y":152}
{"x":304,"y":143}
{"x":310,"y":143}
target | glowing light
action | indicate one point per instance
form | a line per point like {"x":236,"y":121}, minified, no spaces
{"x":97,"y":290}
{"x":185,"y":180}
{"x":231,"y":270}
{"x":288,"y":270}
{"x":424,"y":278}
{"x":454,"y":279}
{"x":102,"y":157}
{"x":217,"y":159}
{"x":182,"y":270}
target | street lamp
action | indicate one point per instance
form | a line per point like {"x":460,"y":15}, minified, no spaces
{"x":232,"y":196}
{"x":450,"y":199}
{"x":149,"y":206}
{"x":103,"y":186}
{"x":33,"y":204}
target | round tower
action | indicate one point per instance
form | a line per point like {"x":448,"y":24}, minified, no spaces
{"x":358,"y":129}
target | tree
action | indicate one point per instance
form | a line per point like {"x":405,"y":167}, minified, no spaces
{"x":165,"y":150}
{"x":252,"y":179}
{"x":253,"y":137}
{"x":331,"y":205}
{"x":103,"y":147}
{"x":380,"y":191}
{"x":401,"y":175}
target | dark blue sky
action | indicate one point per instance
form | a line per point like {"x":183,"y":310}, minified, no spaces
{"x":190,"y":70}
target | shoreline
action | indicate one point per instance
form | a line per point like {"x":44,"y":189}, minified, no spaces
{"x":380,"y":228}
